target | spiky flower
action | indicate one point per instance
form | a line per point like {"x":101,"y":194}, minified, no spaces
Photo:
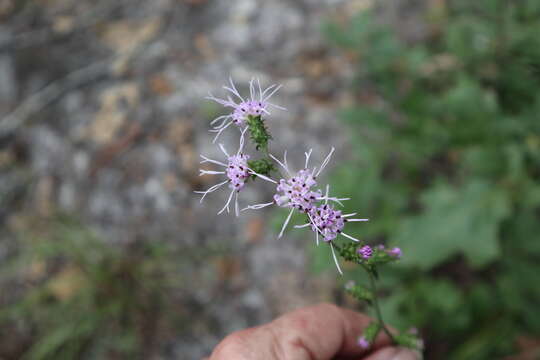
{"x":237,"y":171}
{"x":297,"y":191}
{"x":327,"y":221}
{"x":365,"y":252}
{"x":256,"y":105}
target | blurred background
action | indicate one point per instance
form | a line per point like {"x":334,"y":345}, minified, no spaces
{"x":106,"y":253}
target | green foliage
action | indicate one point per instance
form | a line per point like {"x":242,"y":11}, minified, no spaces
{"x":359,"y":292}
{"x":446,"y":164}
{"x":81,"y":298}
{"x":454,"y":221}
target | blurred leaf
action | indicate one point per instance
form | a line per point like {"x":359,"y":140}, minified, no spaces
{"x":454,"y":221}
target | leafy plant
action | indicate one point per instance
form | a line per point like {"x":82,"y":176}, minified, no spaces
{"x":83,"y":298}
{"x":447,"y":163}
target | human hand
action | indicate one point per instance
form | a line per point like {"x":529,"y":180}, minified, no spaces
{"x":320,"y":332}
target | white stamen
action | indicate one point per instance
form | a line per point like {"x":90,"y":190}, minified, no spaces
{"x":260,"y":89}
{"x":265,"y":90}
{"x":350,"y":237}
{"x":280,"y":163}
{"x":301,"y":226}
{"x":350,"y":220}
{"x":226,"y":103}
{"x":223,"y":149}
{"x":258,"y":206}
{"x":227,"y":203}
{"x":338,"y":200}
{"x":285,"y":160}
{"x":308,"y":155}
{"x":347,"y":215}
{"x":326,"y":194}
{"x":326,"y":161}
{"x":233,"y":90}
{"x":271,"y":93}
{"x":276,"y":106}
{"x":219,"y":131}
{"x":241,"y":147}
{"x":335,"y":259}
{"x":285,"y":223}
{"x":212,"y":189}
{"x":210,"y":172}
{"x":262,"y":176}
{"x":205,"y":160}
{"x":223,"y":118}
{"x":317,"y":230}
{"x":236,"y":211}
{"x":252,"y":89}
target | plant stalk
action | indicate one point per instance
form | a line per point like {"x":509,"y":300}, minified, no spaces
{"x":376,"y":305}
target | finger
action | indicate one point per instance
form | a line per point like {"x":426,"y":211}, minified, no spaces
{"x":316,"y":333}
{"x":394,"y":353}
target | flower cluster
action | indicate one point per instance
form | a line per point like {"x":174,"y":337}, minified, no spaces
{"x":296,"y":190}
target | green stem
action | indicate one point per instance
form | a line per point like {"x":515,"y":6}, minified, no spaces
{"x":376,"y":304}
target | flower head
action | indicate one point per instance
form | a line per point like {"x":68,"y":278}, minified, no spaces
{"x":237,"y":171}
{"x":256,"y":105}
{"x":365,"y":252}
{"x":327,"y":221}
{"x":297,"y":191}
{"x":363,"y":343}
{"x":395,"y":252}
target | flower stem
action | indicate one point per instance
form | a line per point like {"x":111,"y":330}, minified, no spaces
{"x":378,"y":313}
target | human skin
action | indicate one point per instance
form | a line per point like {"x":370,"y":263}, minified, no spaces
{"x":320,"y":332}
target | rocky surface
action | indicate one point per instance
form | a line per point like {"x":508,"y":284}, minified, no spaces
{"x":104,"y":117}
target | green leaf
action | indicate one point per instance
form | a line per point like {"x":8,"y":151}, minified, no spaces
{"x":454,"y":221}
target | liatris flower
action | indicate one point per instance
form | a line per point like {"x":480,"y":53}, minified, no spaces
{"x":365,"y":252}
{"x":395,"y":252}
{"x":255,"y":105}
{"x":363,"y":343}
{"x":296,"y":192}
{"x":328,"y":222}
{"x":236,"y":170}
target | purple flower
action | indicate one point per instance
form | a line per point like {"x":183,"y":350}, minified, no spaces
{"x":236,"y":170}
{"x":297,"y":192}
{"x":328,"y":222}
{"x":363,"y":343}
{"x":257,"y":104}
{"x":365,"y":252}
{"x":395,"y":252}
